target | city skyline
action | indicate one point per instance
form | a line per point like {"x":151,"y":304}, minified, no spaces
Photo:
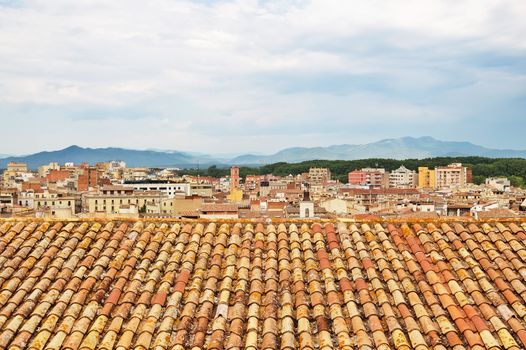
{"x":230,"y":75}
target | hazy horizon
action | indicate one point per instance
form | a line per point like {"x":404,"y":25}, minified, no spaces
{"x":228,"y":155}
{"x":260,"y":76}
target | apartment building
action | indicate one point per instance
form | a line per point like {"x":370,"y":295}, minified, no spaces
{"x":169,"y":189}
{"x":135,"y":174}
{"x":54,"y":203}
{"x":15,"y":174}
{"x":88,"y":178}
{"x":45,"y":169}
{"x":402,"y":178}
{"x":318,"y":176}
{"x":119,"y":199}
{"x":26,"y":198}
{"x":426,"y":177}
{"x":201,"y":189}
{"x":452,"y":175}
{"x":500,"y":184}
{"x":375,"y":178}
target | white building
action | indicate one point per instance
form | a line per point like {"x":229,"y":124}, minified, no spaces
{"x":167,"y":188}
{"x":335,"y":205}
{"x":117,"y":164}
{"x":501,"y":184}
{"x":306,"y":206}
{"x":402,"y":178}
{"x":26,"y":198}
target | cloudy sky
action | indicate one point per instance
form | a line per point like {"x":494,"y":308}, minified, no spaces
{"x":244,"y":76}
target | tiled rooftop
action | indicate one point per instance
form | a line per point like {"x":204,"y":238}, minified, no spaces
{"x":176,"y":285}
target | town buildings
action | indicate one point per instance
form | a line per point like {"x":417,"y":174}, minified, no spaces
{"x":110,"y":189}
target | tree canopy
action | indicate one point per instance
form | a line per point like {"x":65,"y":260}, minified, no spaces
{"x":512,"y":168}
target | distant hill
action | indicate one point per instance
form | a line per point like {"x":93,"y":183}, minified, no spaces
{"x":400,"y":148}
{"x":133,"y":158}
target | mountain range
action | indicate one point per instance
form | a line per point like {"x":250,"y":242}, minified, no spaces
{"x":398,"y":148}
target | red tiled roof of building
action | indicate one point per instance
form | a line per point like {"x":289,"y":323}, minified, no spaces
{"x":276,"y":205}
{"x":205,"y":285}
{"x":189,"y":213}
{"x":498,"y":213}
{"x":222,"y":207}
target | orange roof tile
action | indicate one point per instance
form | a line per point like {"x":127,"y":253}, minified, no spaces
{"x":177,"y":285}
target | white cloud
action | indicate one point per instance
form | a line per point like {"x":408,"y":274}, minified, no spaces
{"x":220,"y":66}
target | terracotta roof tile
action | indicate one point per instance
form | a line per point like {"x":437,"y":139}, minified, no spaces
{"x":161,"y":285}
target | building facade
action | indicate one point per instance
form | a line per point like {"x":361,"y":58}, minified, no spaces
{"x":234,"y":177}
{"x":402,"y":178}
{"x":452,"y":175}
{"x":374,"y":178}
{"x":119,"y":199}
{"x":426,"y":177}
{"x":318,"y":176}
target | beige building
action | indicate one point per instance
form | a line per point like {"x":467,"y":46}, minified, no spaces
{"x":203,"y":190}
{"x":17,"y":167}
{"x":179,"y":206}
{"x":453,"y":175}
{"x":55,"y":204}
{"x":317,"y":176}
{"x":335,"y":205}
{"x":44,"y":170}
{"x":120,"y":200}
{"x":185,"y":206}
{"x":135,"y":174}
{"x":15,"y":174}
